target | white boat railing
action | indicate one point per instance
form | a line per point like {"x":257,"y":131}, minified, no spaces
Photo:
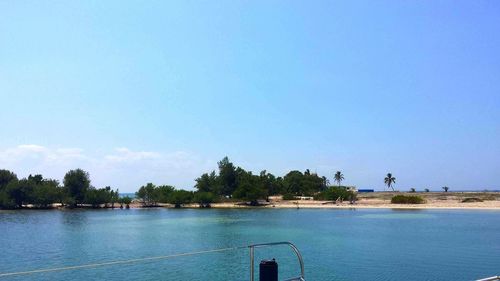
{"x":291,"y":245}
{"x":157,"y":258}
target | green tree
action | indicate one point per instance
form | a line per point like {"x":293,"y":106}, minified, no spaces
{"x":335,"y":192}
{"x":20,"y":191}
{"x":250,"y":193}
{"x":208,"y":183}
{"x":426,"y":190}
{"x":162,"y":193}
{"x":293,"y":182}
{"x":115,"y":197}
{"x":227,"y":177}
{"x":231,"y":178}
{"x":92,"y":197}
{"x":107,"y":195}
{"x":125,"y":200}
{"x":98,"y":196}
{"x":147,"y":195}
{"x":36,"y":179}
{"x":6,"y":176}
{"x":270,"y":184}
{"x":204,"y":199}
{"x":389,"y":180}
{"x":76,"y":183}
{"x":339,"y":177}
{"x":250,"y":188}
{"x":296,"y":183}
{"x":412,"y":190}
{"x":326,"y":182}
{"x":6,"y":201}
{"x":311,"y":183}
{"x":445,"y":188}
{"x":46,"y":193}
{"x":180,"y":197}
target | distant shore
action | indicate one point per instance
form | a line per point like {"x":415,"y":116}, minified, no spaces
{"x":370,"y":203}
{"x":377,"y":200}
{"x":373,"y":200}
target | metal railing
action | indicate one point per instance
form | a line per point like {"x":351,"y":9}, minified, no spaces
{"x":291,"y":245}
{"x":157,"y":258}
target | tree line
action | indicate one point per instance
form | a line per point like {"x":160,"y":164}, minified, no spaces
{"x":227,"y":183}
{"x":230,"y":181}
{"x":150,"y":195}
{"x":40,"y":192}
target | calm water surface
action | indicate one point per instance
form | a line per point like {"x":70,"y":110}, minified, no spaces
{"x":336,"y":244}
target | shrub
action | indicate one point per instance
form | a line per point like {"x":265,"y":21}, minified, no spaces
{"x":180,"y":197}
{"x":250,"y":193}
{"x":162,"y":193}
{"x":407,"y":199}
{"x":204,"y":199}
{"x":125,"y":200}
{"x":147,"y":195}
{"x":95,"y":197}
{"x":334,"y":193}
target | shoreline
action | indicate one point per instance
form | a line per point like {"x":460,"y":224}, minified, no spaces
{"x":236,"y":207}
{"x":348,"y":206}
{"x":382,"y":200}
{"x":376,"y":200}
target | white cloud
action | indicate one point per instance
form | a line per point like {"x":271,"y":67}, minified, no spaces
{"x":29,"y":147}
{"x":38,"y":154}
{"x":123,"y":154}
{"x":122,"y":168}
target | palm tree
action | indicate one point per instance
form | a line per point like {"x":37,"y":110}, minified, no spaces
{"x":389,"y":181}
{"x":445,"y":188}
{"x":339,"y":177}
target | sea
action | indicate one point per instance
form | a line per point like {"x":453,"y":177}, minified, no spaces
{"x":348,"y":244}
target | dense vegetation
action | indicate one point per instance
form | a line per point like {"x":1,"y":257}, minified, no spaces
{"x":40,"y":192}
{"x":336,"y":193}
{"x":407,"y":199}
{"x":235,"y":182}
{"x":229,"y":182}
{"x":150,"y":195}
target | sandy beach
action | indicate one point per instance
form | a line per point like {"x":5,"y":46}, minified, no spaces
{"x":376,"y":200}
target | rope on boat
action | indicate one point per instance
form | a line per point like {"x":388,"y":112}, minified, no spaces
{"x":93,"y":265}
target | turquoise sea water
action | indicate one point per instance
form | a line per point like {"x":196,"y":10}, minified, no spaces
{"x":336,"y":244}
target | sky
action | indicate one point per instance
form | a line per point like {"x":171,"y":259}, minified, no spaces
{"x":159,"y":91}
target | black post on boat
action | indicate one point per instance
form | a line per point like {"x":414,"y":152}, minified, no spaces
{"x":268,"y":270}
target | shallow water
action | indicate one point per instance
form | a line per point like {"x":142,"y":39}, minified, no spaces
{"x":336,"y":244}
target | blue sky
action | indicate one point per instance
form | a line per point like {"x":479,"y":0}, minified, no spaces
{"x":139,"y":91}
